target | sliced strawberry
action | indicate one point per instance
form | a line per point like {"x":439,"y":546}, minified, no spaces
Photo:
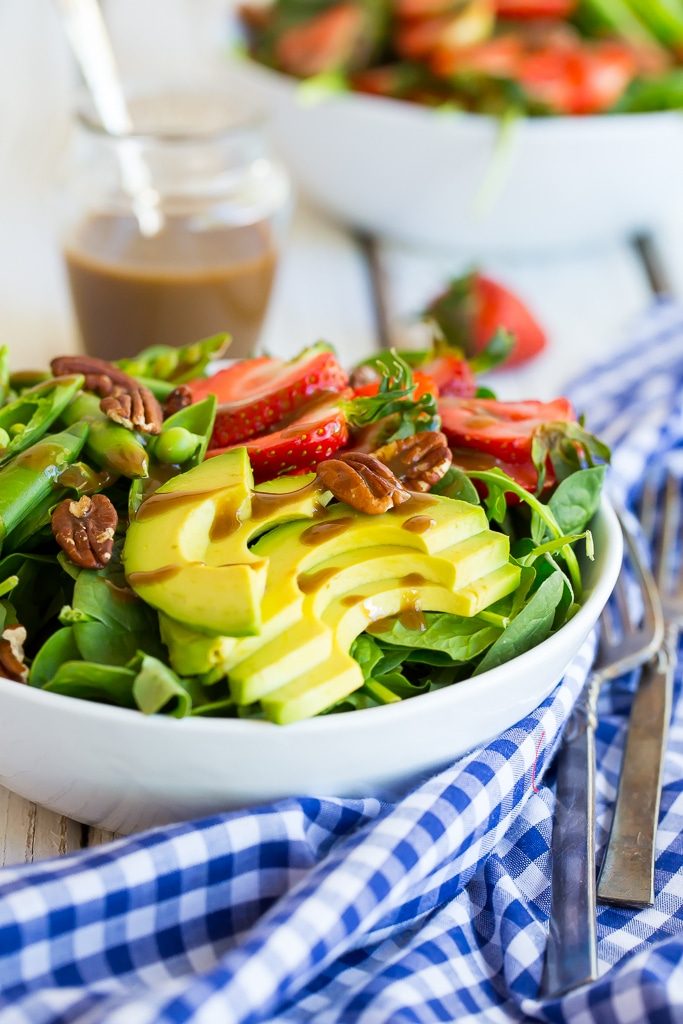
{"x":424,"y":385}
{"x":524,"y":473}
{"x":504,"y":430}
{"x":312,"y":434}
{"x":535,"y":8}
{"x":423,"y":8}
{"x":467,"y":27}
{"x":257,"y":394}
{"x":452,"y":376}
{"x":326,"y":42}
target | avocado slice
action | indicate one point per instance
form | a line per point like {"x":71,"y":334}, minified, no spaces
{"x":186,"y":552}
{"x":435,"y":552}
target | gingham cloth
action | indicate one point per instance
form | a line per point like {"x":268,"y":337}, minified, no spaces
{"x":429,"y":908}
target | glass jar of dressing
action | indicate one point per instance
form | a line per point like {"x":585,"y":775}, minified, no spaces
{"x":174,"y":230}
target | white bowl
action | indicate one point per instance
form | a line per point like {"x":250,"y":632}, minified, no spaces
{"x":448,"y":179}
{"x":119,"y":769}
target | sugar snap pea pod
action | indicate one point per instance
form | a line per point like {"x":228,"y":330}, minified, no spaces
{"x":28,"y":417}
{"x":20,"y":380}
{"x":76,"y":480}
{"x":185,"y":435}
{"x":181,"y":445}
{"x":30,"y":477}
{"x":166,"y":362}
{"x":161,"y":389}
{"x":109,"y":445}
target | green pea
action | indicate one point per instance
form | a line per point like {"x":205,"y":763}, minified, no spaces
{"x":17,"y":428}
{"x":4,"y":438}
{"x":176,"y":445}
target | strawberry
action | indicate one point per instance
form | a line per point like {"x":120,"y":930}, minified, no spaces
{"x":328,"y":41}
{"x":424,"y":385}
{"x":535,"y":8}
{"x":256,"y":395}
{"x":451,"y":375}
{"x":313,"y":433}
{"x":473,"y":308}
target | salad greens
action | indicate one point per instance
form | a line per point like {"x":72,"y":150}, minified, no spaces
{"x":88,"y":634}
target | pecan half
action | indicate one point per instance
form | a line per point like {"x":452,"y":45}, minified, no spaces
{"x":84,"y":530}
{"x":12,"y":654}
{"x":124,"y":400}
{"x":363,"y":482}
{"x":419,"y":461}
{"x":100,"y":376}
{"x":179,"y":399}
{"x":134,"y":407}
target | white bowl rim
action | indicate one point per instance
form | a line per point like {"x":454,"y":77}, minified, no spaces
{"x":367,"y":717}
{"x":554,"y":122}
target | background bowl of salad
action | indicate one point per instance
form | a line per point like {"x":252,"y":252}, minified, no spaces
{"x":490,"y":124}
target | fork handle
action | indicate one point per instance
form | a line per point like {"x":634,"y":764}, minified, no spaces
{"x":571,"y":958}
{"x":628,"y":870}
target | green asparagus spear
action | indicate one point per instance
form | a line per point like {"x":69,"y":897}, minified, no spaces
{"x":31,"y":476}
{"x":109,"y":445}
{"x":28,"y":417}
{"x":176,"y":365}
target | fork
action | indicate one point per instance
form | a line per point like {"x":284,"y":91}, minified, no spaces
{"x":571,"y":956}
{"x":627,"y":875}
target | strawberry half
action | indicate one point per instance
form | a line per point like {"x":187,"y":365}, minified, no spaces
{"x":256,"y":395}
{"x":310,"y":435}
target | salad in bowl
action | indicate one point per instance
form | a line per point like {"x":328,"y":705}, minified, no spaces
{"x":218,"y":580}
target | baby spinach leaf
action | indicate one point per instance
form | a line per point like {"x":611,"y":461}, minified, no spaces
{"x":460,"y":638}
{"x":456,"y":484}
{"x":367,"y":653}
{"x":533,"y":624}
{"x":111,"y":623}
{"x":57,"y":649}
{"x":104,"y":684}
{"x":577,"y":498}
{"x":157,"y":689}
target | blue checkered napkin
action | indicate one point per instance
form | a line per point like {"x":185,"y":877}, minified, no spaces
{"x":429,"y":908}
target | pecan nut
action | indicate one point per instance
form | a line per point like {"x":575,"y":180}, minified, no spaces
{"x":84,"y":530}
{"x":419,"y":461}
{"x":362,"y":481}
{"x":179,"y":399}
{"x":12,"y":664}
{"x":124,"y":400}
{"x":134,"y":407}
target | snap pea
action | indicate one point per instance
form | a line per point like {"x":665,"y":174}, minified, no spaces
{"x":76,"y":480}
{"x":168,"y":363}
{"x":30,"y":478}
{"x":181,"y":445}
{"x":20,"y":380}
{"x":109,"y":445}
{"x":25,"y":420}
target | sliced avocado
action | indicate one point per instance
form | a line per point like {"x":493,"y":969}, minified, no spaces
{"x":186,"y":551}
{"x":296,"y":549}
{"x":304,"y":643}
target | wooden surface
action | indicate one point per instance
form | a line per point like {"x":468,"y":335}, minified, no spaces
{"x":326,"y":288}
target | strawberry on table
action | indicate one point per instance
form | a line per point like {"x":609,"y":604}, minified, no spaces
{"x":474,"y":308}
{"x":255,"y":395}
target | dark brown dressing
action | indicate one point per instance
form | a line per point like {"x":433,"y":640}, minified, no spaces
{"x":413,"y":579}
{"x":84,"y":479}
{"x":184,"y":283}
{"x":41,"y":457}
{"x":411,"y":617}
{"x":417,"y":504}
{"x":264,"y":504}
{"x":321,"y":532}
{"x":122,"y":593}
{"x":351,"y":600}
{"x":160,"y":575}
{"x":163,"y":501}
{"x":225,"y":522}
{"x":309,"y":583}
{"x":419,"y":524}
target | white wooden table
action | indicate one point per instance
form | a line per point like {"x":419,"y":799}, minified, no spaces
{"x":326,"y":289}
